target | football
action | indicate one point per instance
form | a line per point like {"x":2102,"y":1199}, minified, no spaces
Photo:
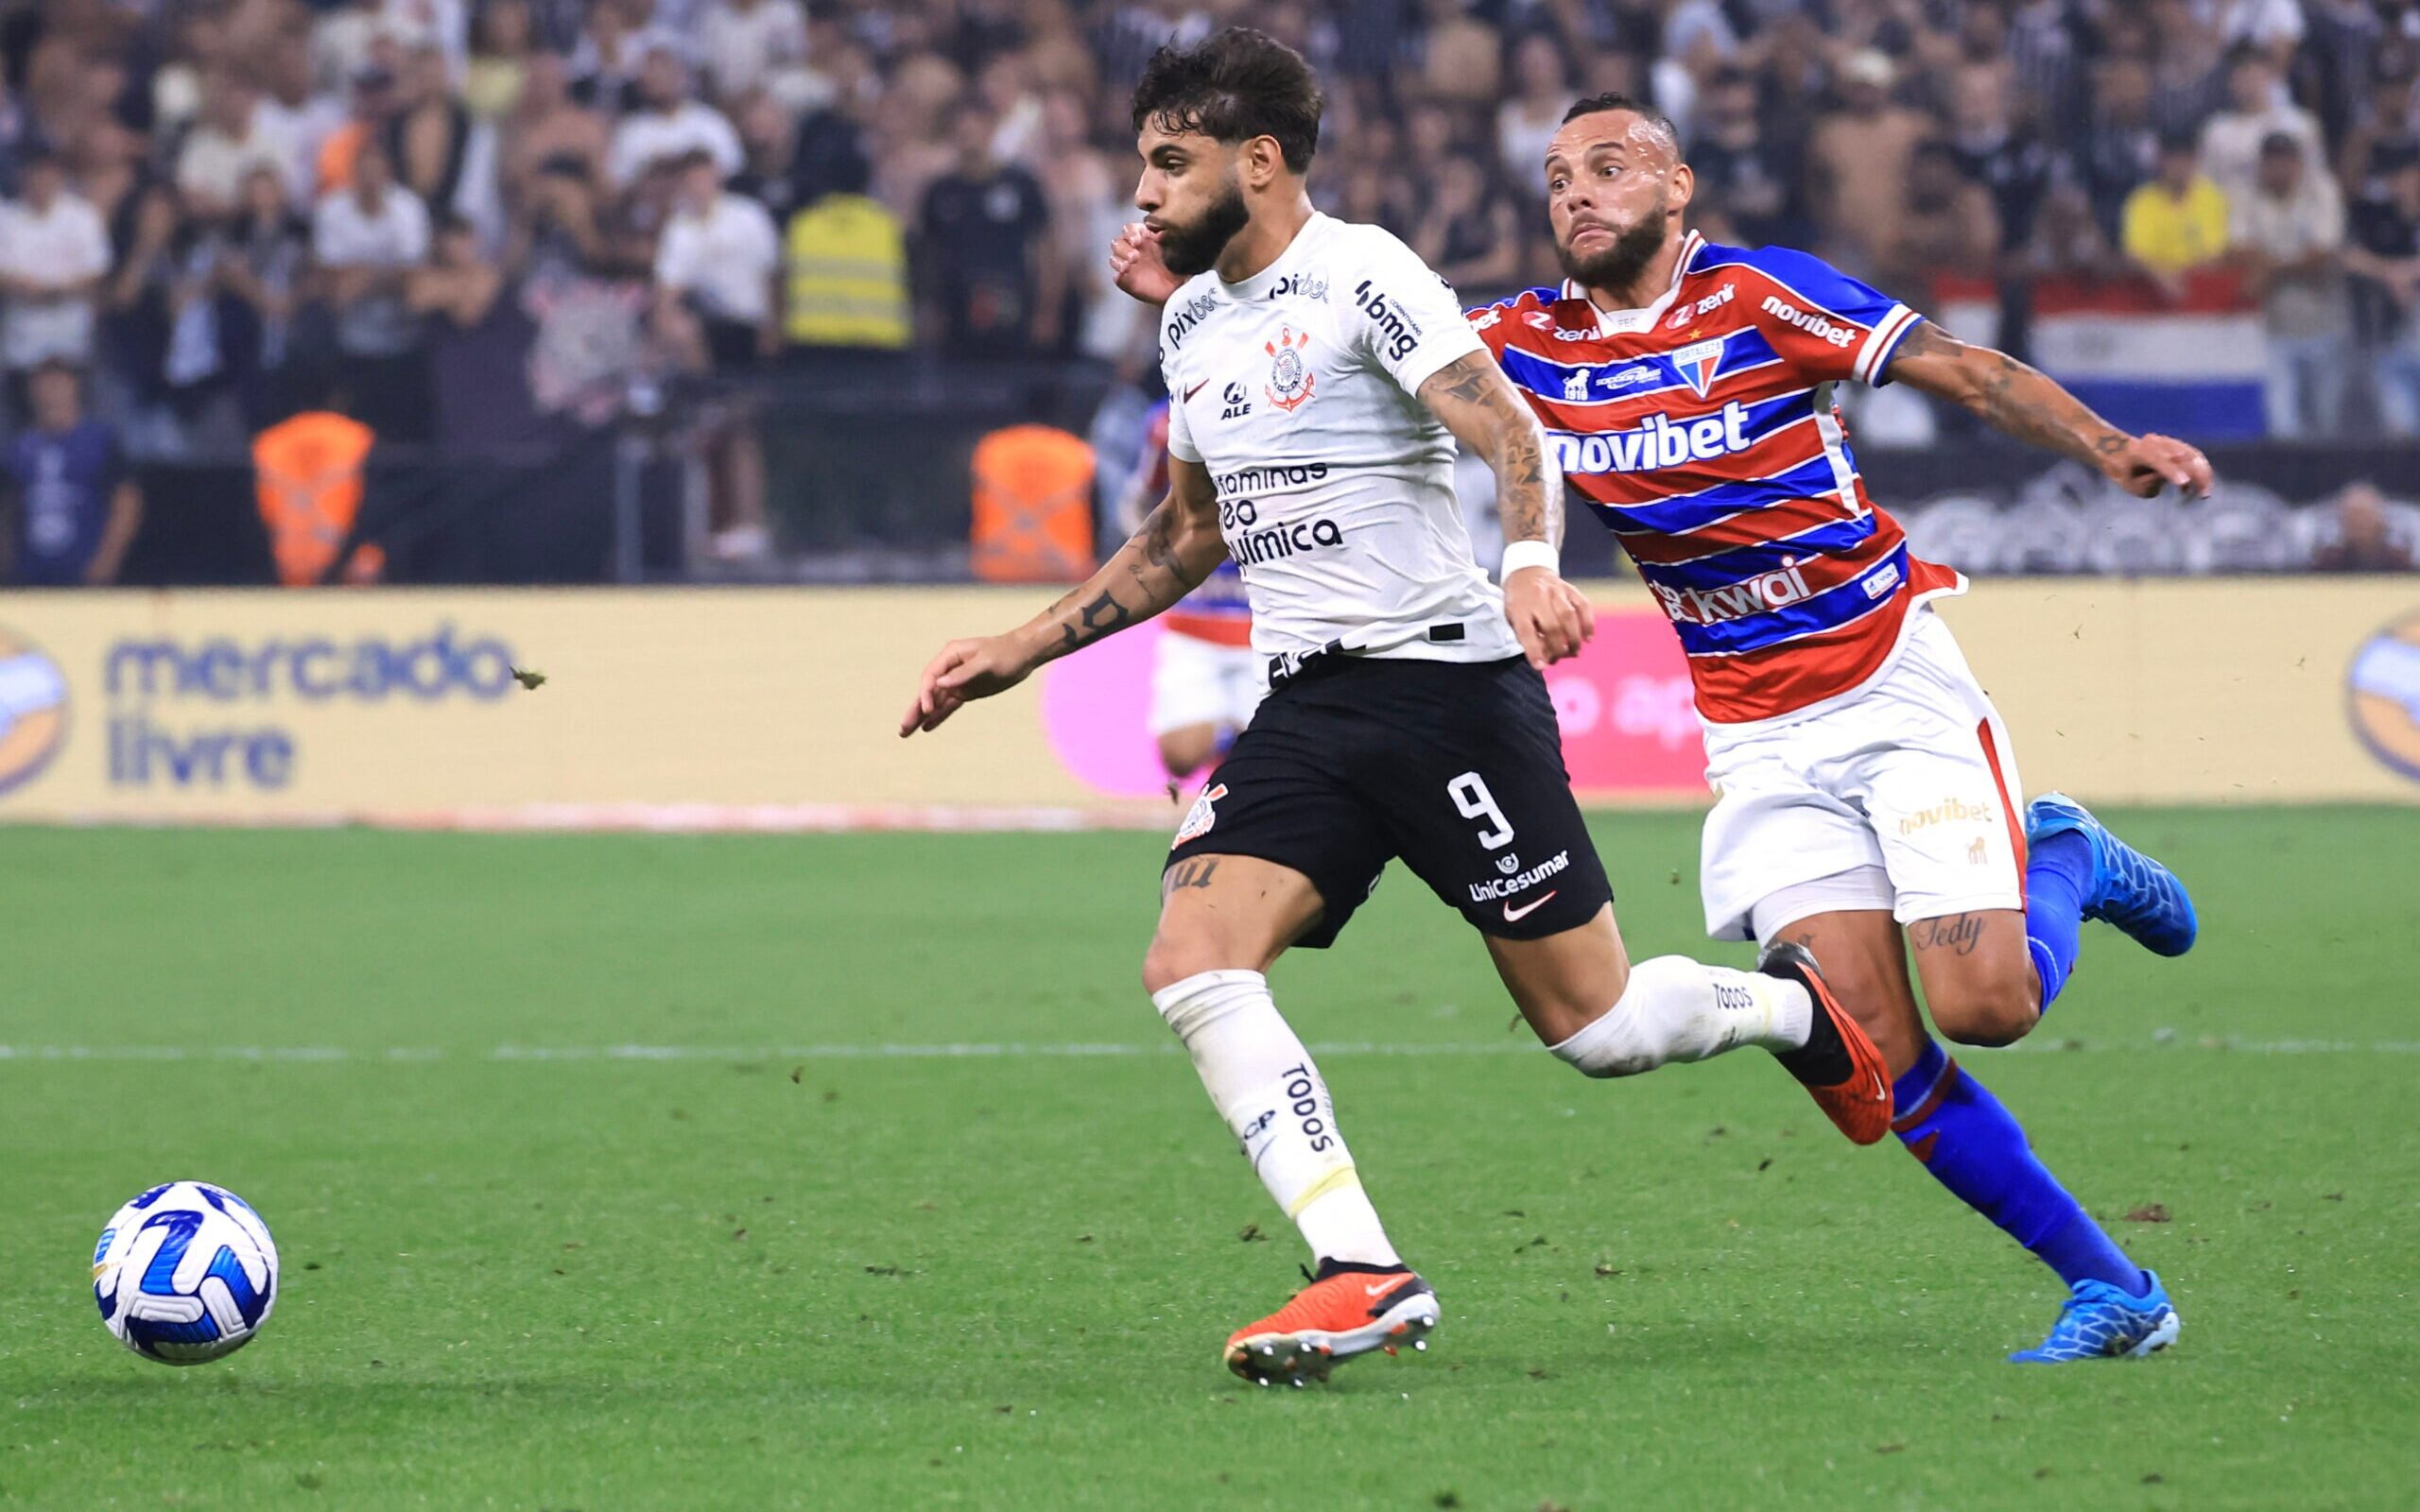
{"x":186,"y":1273}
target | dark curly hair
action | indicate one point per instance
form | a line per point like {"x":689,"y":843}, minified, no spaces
{"x":1232,"y":87}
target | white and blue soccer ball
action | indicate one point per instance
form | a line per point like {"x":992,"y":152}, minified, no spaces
{"x":186,"y":1273}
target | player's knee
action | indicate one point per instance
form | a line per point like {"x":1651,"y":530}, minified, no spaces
{"x":2000,"y":1014}
{"x":1173,"y":959}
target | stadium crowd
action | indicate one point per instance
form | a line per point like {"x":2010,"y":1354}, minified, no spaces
{"x":451,"y":219}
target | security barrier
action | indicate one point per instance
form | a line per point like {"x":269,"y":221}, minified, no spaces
{"x":779,"y":707}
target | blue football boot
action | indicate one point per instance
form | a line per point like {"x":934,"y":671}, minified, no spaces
{"x":2100,"y":1322}
{"x":2129,"y":888}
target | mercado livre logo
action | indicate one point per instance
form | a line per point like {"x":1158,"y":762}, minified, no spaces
{"x":33,"y":710}
{"x":226,"y":710}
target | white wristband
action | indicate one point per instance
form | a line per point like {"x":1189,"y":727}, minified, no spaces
{"x":1519,"y":555}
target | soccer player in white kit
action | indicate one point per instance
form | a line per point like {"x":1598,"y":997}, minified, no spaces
{"x":1320,"y":375}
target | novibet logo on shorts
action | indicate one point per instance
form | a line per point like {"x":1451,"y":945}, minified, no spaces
{"x":33,"y":710}
{"x":2382,"y":695}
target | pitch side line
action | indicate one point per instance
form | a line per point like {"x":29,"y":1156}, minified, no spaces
{"x":690,"y":1054}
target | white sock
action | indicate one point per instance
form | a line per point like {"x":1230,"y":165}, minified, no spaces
{"x":1275,"y":1100}
{"x":1675,"y":1009}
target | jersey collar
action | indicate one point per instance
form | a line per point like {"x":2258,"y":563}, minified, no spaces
{"x":1313,"y":231}
{"x":1630,"y":322}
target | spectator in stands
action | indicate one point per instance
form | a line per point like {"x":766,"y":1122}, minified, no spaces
{"x":1468,"y":232}
{"x":2257,"y":108}
{"x":76,"y":510}
{"x":1527,"y":122}
{"x":1860,"y":154}
{"x":2178,"y":221}
{"x":548,"y":127}
{"x":503,"y":44}
{"x":2288,"y":234}
{"x":846,"y":260}
{"x":717,"y":302}
{"x":478,"y":344}
{"x":2384,"y":138}
{"x":2067,"y":240}
{"x":2008,"y":159}
{"x":294,"y":114}
{"x":717,"y":265}
{"x":2363,"y":542}
{"x":990,"y":279}
{"x":365,"y":238}
{"x":769,"y":142}
{"x":668,"y":124}
{"x":747,"y":44}
{"x":225,"y":145}
{"x":261,"y":267}
{"x":2385,"y":258}
{"x":1751,"y":187}
{"x":2117,"y":150}
{"x":54,"y":254}
{"x":441,"y":153}
{"x":1947,"y":227}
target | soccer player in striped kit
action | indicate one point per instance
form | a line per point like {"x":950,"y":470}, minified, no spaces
{"x":1868,"y":794}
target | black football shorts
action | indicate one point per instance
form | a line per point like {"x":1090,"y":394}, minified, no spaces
{"x":1455,"y":766}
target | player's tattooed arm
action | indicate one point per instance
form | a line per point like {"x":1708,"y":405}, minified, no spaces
{"x":1477,"y":402}
{"x":2026,"y":403}
{"x":1178,"y":546}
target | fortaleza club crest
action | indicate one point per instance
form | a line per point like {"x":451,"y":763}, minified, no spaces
{"x":1289,"y":377}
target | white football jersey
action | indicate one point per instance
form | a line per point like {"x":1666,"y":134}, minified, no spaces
{"x":1296,"y":391}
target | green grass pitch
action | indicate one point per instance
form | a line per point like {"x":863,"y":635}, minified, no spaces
{"x":789,"y":1268}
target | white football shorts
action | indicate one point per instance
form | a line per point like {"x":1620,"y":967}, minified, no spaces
{"x":1902,"y":795}
{"x":1196,"y":682}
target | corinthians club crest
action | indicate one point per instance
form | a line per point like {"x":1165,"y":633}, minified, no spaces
{"x":1289,"y":376}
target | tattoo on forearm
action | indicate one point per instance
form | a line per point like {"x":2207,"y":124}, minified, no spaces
{"x":2018,"y":399}
{"x":1958,"y":934}
{"x":1523,"y":496}
{"x":1194,"y":873}
{"x":1103,"y":616}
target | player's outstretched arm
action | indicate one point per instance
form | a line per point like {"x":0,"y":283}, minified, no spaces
{"x":1176,"y":548}
{"x":2027,"y":404}
{"x":1477,"y":402}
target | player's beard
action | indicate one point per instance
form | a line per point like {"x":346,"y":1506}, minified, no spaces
{"x":1619,"y":262}
{"x":1190,"y":250}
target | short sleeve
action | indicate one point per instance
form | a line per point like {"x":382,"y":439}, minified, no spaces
{"x":1826,"y":324}
{"x":1403,"y":316}
{"x":1180,"y":435}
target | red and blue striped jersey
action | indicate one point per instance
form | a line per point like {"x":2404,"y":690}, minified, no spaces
{"x":1700,"y":429}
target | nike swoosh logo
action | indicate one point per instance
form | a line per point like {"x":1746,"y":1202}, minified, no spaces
{"x":1513,"y":915}
{"x":1381,"y":1289}
{"x":1195,"y":389}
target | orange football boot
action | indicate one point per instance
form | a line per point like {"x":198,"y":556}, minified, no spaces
{"x":1859,"y":1103}
{"x":1347,"y":1310}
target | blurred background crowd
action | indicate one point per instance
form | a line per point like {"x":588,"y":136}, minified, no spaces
{"x":462,"y":225}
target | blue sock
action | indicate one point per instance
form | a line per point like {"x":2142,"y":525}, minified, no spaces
{"x":2058,"y":874}
{"x":1971,"y":1146}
